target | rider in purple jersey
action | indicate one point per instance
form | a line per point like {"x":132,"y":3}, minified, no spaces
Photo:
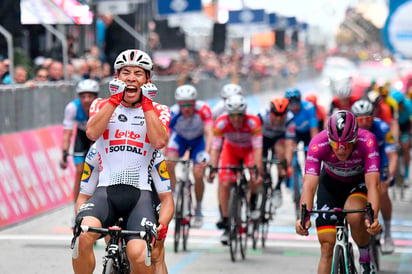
{"x":348,"y":179}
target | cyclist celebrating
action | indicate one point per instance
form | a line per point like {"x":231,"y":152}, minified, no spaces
{"x":405,"y":119}
{"x":363,"y":110}
{"x":237,"y":135}
{"x":163,"y":204}
{"x":77,"y":112}
{"x":278,"y":130}
{"x":128,"y":129}
{"x":227,"y":91}
{"x":191,"y":128}
{"x":349,"y":178}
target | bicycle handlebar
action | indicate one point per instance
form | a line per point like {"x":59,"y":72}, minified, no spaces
{"x":305,"y":213}
{"x":113,"y":230}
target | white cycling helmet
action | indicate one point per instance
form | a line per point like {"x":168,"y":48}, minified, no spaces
{"x":133,"y":57}
{"x":235,"y":104}
{"x":186,"y":93}
{"x":362,"y":108}
{"x":87,"y":85}
{"x":229,"y":90}
{"x":343,"y":91}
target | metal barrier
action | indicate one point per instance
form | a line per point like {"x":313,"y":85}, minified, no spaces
{"x":24,"y":108}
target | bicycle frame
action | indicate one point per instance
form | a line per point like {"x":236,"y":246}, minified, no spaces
{"x":342,"y":235}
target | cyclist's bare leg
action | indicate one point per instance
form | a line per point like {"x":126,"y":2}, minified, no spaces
{"x":86,"y":262}
{"x":386,"y":206}
{"x":77,"y":180}
{"x":136,"y":253}
{"x":199,"y":185}
{"x":357,"y":220}
{"x":158,"y":258}
{"x":327,"y":242}
{"x":223,"y":196}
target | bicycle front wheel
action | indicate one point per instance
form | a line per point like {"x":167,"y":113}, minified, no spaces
{"x":233,"y":222}
{"x":243,"y":223}
{"x":109,"y":267}
{"x":338,"y":266}
{"x":178,"y":215}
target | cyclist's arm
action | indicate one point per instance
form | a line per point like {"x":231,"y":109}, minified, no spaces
{"x":99,"y":118}
{"x":290,"y":145}
{"x":67,"y":135}
{"x":167,"y":207}
{"x":156,"y":132}
{"x":208,"y":137}
{"x":393,"y":162}
{"x":310,"y":184}
{"x":372,"y":180}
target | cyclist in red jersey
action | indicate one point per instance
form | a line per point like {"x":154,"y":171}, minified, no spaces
{"x":321,"y":113}
{"x":342,"y":169}
{"x":128,"y":130}
{"x":237,"y":135}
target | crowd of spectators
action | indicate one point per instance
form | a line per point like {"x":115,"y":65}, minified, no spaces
{"x":186,"y":66}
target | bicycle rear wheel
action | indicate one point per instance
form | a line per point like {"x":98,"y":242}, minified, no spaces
{"x":233,"y":222}
{"x":178,"y":215}
{"x":338,"y":266}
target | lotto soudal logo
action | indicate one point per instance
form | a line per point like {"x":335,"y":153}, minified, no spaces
{"x":126,"y":134}
{"x":128,"y":148}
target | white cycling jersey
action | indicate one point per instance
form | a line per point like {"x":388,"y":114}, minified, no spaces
{"x":126,"y":155}
{"x":90,"y":176}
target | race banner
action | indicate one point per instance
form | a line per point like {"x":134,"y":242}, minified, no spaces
{"x":31,"y":181}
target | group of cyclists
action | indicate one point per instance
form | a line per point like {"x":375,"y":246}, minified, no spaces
{"x":129,"y":172}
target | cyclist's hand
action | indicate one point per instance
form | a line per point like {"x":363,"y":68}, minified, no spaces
{"x":212,"y":174}
{"x":161,"y":231}
{"x":301,"y":230}
{"x":203,"y":158}
{"x":63,"y":161}
{"x":149,"y":92}
{"x":373,"y":228}
{"x":259,"y":180}
{"x":116,"y":88}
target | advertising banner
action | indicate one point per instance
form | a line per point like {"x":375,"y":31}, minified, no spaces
{"x":31,"y":181}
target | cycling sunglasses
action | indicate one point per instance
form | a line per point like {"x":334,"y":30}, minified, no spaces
{"x":234,"y":115}
{"x":342,"y":145}
{"x":364,"y":119}
{"x":186,"y":105}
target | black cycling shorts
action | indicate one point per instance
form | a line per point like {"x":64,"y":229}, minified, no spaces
{"x":110,"y":203}
{"x":333,"y":193}
{"x":81,"y":143}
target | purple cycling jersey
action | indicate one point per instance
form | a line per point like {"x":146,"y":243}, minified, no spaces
{"x":363,"y":159}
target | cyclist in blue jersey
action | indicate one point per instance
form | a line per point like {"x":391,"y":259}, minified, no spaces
{"x":363,"y":110}
{"x":404,"y":119}
{"x":304,"y":116}
{"x":76,"y":114}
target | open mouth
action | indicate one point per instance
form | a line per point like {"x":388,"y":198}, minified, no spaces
{"x":131,"y":89}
